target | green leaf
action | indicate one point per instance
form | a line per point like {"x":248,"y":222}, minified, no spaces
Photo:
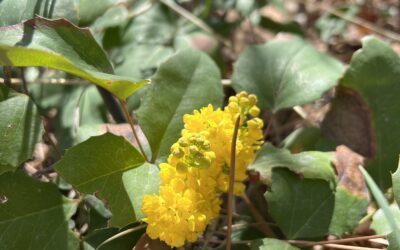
{"x":284,"y":74}
{"x":83,"y":12}
{"x":16,"y":11}
{"x":351,"y":196}
{"x":60,"y":45}
{"x":156,"y":26}
{"x":379,"y":222}
{"x":368,"y":93}
{"x":34,"y":215}
{"x":330,"y":25}
{"x":78,"y":106}
{"x":383,"y":204}
{"x":302,"y":208}
{"x":144,"y":180}
{"x":188,"y":80}
{"x":88,"y":12}
{"x":20,"y":127}
{"x":266,"y":244}
{"x":139,"y":60}
{"x":310,"y":164}
{"x":290,"y":26}
{"x":348,"y":211}
{"x":97,"y":166}
{"x":396,"y":184}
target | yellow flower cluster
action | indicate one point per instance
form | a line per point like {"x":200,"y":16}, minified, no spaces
{"x":197,"y":170}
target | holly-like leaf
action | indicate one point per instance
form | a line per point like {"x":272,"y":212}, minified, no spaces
{"x":97,"y":166}
{"x":34,"y":215}
{"x":20,"y":127}
{"x":351,"y":197}
{"x":312,"y":164}
{"x":266,"y":244}
{"x":60,"y":45}
{"x":302,"y":208}
{"x":278,"y":73}
{"x":364,"y":115}
{"x":188,"y":80}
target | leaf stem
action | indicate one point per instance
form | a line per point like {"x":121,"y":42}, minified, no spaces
{"x":130,"y":121}
{"x":231,"y":184}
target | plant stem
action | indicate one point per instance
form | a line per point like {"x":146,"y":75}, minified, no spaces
{"x":231,"y":195}
{"x":130,"y":121}
{"x":7,"y":75}
{"x":112,"y":105}
{"x":263,"y":225}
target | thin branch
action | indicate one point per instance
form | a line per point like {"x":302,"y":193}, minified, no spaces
{"x":363,"y":23}
{"x":231,"y":195}
{"x":7,"y":76}
{"x":195,"y":20}
{"x":141,"y":10}
{"x":347,"y":247}
{"x":130,"y":121}
{"x":23,"y":79}
{"x":263,"y":225}
{"x":347,"y":240}
{"x":62,"y":81}
{"x":128,"y":231}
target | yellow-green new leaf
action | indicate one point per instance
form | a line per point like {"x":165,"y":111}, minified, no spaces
{"x":60,"y":45}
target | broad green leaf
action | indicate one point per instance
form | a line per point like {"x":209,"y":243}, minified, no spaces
{"x":310,"y":164}
{"x":34,"y":215}
{"x":16,"y":11}
{"x":139,"y":60}
{"x":188,"y":80}
{"x":384,"y":205}
{"x":20,"y":127}
{"x":368,"y":93}
{"x":60,"y":45}
{"x":379,"y":222}
{"x":330,"y":25}
{"x":88,"y":12}
{"x":269,"y":244}
{"x":156,"y":26}
{"x":290,"y":26}
{"x":307,"y":139}
{"x":97,"y":215}
{"x":348,"y":211}
{"x":396,"y":184}
{"x":351,"y":196}
{"x":81,"y":12}
{"x":140,"y":181}
{"x":284,"y":74}
{"x":302,"y":208}
{"x":97,"y":166}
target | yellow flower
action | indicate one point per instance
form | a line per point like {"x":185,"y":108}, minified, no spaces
{"x":197,"y":170}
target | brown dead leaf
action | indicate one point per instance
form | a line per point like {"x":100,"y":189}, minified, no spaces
{"x":346,"y":163}
{"x":348,"y":122}
{"x":145,"y":243}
